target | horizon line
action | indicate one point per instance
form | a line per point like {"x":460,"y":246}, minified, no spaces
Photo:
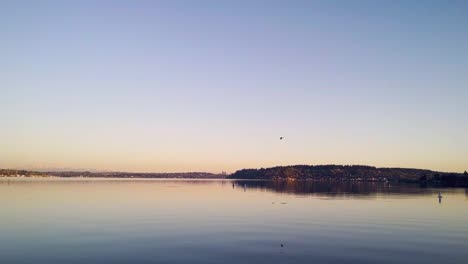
{"x":207,"y":172}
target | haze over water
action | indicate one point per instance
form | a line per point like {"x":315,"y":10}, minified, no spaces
{"x":220,"y":221}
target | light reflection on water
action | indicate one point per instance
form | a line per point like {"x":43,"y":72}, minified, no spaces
{"x":220,"y":221}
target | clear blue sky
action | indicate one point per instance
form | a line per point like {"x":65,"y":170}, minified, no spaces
{"x":212,"y":85}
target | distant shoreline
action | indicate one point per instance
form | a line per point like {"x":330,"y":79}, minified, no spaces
{"x":345,"y":173}
{"x":87,"y":174}
{"x":354,"y":173}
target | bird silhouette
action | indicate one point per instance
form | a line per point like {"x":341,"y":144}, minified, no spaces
{"x":281,"y":138}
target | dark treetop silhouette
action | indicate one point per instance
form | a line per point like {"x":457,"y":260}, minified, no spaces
{"x":352,"y":173}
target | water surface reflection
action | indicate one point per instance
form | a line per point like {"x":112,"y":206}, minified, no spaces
{"x":82,"y":221}
{"x":341,"y":189}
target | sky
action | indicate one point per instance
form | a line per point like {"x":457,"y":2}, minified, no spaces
{"x":166,"y":86}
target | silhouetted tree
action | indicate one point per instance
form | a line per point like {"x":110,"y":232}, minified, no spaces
{"x":465,"y":174}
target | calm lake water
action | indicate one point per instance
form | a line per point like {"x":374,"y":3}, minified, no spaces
{"x":220,"y":221}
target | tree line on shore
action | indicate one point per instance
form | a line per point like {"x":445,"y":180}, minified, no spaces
{"x":296,"y":172}
{"x":352,"y":172}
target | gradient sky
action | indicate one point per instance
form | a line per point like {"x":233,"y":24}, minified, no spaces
{"x":212,"y":85}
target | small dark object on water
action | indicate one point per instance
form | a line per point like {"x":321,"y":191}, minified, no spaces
{"x":283,"y":203}
{"x":282,"y":245}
